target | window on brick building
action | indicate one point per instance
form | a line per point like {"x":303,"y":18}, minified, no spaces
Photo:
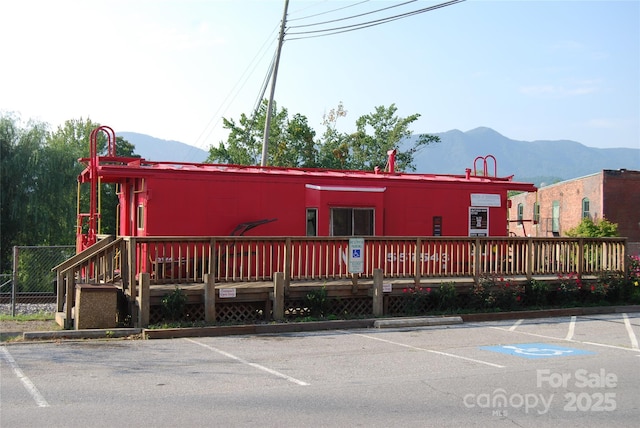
{"x":536,"y":213}
{"x":520,"y":214}
{"x":555,"y":218}
{"x":585,"y":208}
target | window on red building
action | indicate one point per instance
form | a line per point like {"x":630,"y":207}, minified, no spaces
{"x":352,"y":222}
{"x":312,"y":222}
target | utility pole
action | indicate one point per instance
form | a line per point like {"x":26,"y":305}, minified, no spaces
{"x":267,"y":124}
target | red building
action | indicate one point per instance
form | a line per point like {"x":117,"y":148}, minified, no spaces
{"x":183,"y":199}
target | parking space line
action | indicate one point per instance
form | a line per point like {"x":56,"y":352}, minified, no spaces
{"x":604,"y":345}
{"x":31,"y":388}
{"x":254,"y":365}
{"x":632,"y":335}
{"x":446,"y":354}
{"x":514,"y":326}
{"x":572,"y":328}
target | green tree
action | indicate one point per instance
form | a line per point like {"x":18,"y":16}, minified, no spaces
{"x":291,"y":141}
{"x":68,"y":144}
{"x":73,"y":140}
{"x":39,"y":182}
{"x":334,"y":151}
{"x":593,"y":229}
{"x":20,"y":151}
{"x":388,"y":131}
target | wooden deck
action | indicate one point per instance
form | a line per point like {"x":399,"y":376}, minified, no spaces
{"x":243,"y":269}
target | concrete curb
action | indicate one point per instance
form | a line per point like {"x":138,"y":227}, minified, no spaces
{"x":82,"y":334}
{"x":295,"y":327}
{"x":277,"y":328}
{"x":416,"y":322}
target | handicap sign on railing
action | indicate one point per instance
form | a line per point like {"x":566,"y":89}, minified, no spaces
{"x":356,"y":255}
{"x":536,"y":350}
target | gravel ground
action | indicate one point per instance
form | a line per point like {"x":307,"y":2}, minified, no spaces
{"x":12,"y":329}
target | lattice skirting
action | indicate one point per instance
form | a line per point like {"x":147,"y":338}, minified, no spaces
{"x":404,"y":305}
{"x":248,"y":312}
{"x":342,"y":307}
{"x":193,"y":312}
{"x":240,"y":312}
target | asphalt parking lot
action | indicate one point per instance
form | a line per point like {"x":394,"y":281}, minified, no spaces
{"x":569,"y":371}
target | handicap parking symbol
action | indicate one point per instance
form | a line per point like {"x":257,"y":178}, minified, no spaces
{"x":355,"y":253}
{"x":536,"y":350}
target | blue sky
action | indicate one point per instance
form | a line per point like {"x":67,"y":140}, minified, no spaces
{"x":531,"y":70}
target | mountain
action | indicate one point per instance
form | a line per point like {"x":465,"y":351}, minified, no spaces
{"x":156,"y":149}
{"x":538,"y":162}
{"x":530,"y":161}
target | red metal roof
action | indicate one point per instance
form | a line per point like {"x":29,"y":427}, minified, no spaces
{"x":108,"y":168}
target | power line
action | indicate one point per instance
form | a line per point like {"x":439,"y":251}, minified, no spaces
{"x":354,"y":16}
{"x":328,"y":11}
{"x":233,"y":93}
{"x":263,"y":89}
{"x":347,"y":28}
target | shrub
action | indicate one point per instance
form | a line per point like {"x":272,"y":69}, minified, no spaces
{"x":317,"y":302}
{"x":537,"y":293}
{"x":479,"y":298}
{"x":633,"y":279}
{"x":173,"y":304}
{"x":446,"y":297}
{"x":416,"y":300}
{"x":567,"y":289}
{"x":498,"y":293}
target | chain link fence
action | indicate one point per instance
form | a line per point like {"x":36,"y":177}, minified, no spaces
{"x":31,"y":287}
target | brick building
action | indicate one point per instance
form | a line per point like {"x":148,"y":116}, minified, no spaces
{"x":552,"y":210}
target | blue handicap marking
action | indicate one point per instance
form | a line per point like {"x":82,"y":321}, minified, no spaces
{"x":536,"y":350}
{"x":356,"y":253}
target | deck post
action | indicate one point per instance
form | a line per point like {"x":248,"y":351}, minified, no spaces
{"x":143,"y":300}
{"x":477,"y":263}
{"x":581,"y":260}
{"x":132,"y":266}
{"x":70,"y":286}
{"x":59,"y":291}
{"x":378,"y":300}
{"x":209,"y":297}
{"x":417,"y":262}
{"x":288,"y":254}
{"x":131,"y":270}
{"x":530,"y":258}
{"x":278,"y":296}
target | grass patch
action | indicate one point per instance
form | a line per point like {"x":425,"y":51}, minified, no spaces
{"x":40,"y":316}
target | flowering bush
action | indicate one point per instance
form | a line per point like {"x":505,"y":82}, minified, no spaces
{"x":567,"y":289}
{"x":599,"y":291}
{"x":633,"y":270}
{"x":496,"y":292}
{"x":537,"y":293}
{"x":633,"y":277}
{"x":416,"y":300}
{"x":479,"y":296}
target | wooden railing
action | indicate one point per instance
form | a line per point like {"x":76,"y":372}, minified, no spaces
{"x":245,"y":259}
{"x":193,"y":260}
